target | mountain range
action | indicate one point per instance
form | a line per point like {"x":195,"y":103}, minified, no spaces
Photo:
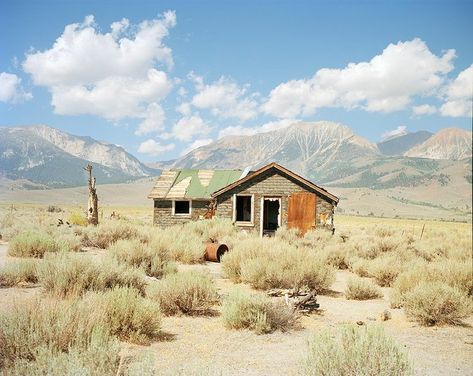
{"x":42,"y":156}
{"x":331,"y":154}
{"x":326,"y":152}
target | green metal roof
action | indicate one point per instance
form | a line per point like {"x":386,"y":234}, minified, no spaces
{"x":193,"y":184}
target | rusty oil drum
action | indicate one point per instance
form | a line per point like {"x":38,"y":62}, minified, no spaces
{"x":213,"y":251}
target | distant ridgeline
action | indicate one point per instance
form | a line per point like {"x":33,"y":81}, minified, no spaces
{"x":48,"y":157}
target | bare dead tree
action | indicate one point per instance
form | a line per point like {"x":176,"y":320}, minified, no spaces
{"x":92,"y":206}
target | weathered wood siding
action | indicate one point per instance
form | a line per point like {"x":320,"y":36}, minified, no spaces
{"x":275,"y":184}
{"x":163,"y":213}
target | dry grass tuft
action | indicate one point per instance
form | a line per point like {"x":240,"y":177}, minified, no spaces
{"x":33,"y":327}
{"x":436,"y":303}
{"x":189,"y":293}
{"x":64,"y":276}
{"x":107,"y":233}
{"x":242,"y":310}
{"x":271,"y":263}
{"x":139,"y":255}
{"x":355,"y":351}
{"x":17,"y":272}
{"x":362,"y":289}
{"x":126,"y":314}
{"x":32,"y":244}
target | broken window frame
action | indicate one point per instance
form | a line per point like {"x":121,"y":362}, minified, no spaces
{"x":252,"y":210}
{"x":188,"y":214}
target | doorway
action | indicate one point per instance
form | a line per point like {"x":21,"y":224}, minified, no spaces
{"x":271,"y":218}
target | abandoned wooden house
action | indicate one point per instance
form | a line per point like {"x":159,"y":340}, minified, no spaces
{"x":261,"y":200}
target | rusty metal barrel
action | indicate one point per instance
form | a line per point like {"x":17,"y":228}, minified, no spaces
{"x":213,"y":251}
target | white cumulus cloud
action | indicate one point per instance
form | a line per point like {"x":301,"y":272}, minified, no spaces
{"x":224,"y":98}
{"x":399,"y":131}
{"x":239,"y":130}
{"x":189,"y":127}
{"x":11,"y":90}
{"x":153,"y":120}
{"x":424,"y":109}
{"x":385,"y":83}
{"x":196,"y":144}
{"x":153,"y":148}
{"x":459,"y":95}
{"x":115,"y":75}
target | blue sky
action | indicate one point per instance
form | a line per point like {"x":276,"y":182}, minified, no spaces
{"x":173,"y":75}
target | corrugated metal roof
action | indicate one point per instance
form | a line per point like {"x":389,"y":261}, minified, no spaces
{"x":194,"y":184}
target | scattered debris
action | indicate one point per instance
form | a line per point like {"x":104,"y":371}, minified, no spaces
{"x":360,"y":323}
{"x":303,"y":301}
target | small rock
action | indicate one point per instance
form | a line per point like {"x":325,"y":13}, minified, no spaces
{"x":360,"y":323}
{"x":384,"y":316}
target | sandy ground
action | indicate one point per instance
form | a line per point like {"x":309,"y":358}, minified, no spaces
{"x":201,"y":345}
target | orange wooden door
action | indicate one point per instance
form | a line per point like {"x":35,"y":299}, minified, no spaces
{"x":301,"y":211}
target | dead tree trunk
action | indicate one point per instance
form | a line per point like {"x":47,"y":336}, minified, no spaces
{"x":92,"y":206}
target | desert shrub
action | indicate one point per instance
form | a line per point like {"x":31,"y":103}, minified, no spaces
{"x":429,"y":249}
{"x":377,"y":247}
{"x":140,"y":255}
{"x":186,"y":293}
{"x":68,"y":242}
{"x":99,"y":357}
{"x":436,"y":303}
{"x":20,"y":271}
{"x":335,"y":255}
{"x":178,"y":243}
{"x":456,"y":274}
{"x":55,"y":325}
{"x":362,"y":289}
{"x":77,"y":219}
{"x":54,"y":209}
{"x":7,"y":220}
{"x":126,"y":314}
{"x":385,"y":269}
{"x":271,"y":263}
{"x":69,"y":275}
{"x":384,"y":231}
{"x":288,"y":235}
{"x":359,"y":266}
{"x":215,"y":229}
{"x":107,"y":233}
{"x":242,"y":310}
{"x":32,"y":244}
{"x":187,"y":248}
{"x":355,"y":351}
{"x":318,"y":237}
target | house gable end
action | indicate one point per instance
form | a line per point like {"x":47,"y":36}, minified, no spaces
{"x":269,"y":170}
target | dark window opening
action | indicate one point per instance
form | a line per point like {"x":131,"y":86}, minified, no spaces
{"x":182,"y":207}
{"x":243,"y":208}
{"x":270,"y":215}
